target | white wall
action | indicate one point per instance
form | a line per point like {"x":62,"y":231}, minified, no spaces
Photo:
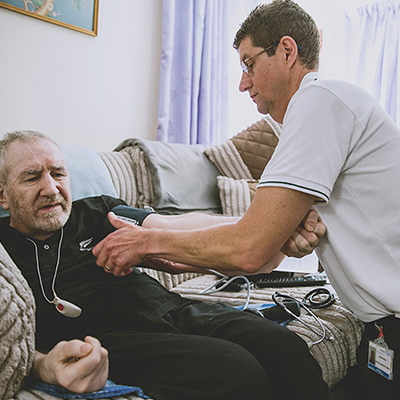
{"x":93,"y":91}
{"x":100,"y":91}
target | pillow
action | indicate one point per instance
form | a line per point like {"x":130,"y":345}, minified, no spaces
{"x":252,"y":188}
{"x":236,"y":195}
{"x":88,"y":173}
{"x":142,"y":176}
{"x":119,"y":166}
{"x":17,"y":327}
{"x":182,"y":178}
{"x":245,"y":155}
{"x":227,"y":159}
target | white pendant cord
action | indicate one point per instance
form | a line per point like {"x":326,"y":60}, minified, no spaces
{"x":55,"y":269}
{"x":64,"y":307}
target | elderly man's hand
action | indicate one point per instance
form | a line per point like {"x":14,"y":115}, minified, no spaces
{"x":306,"y":237}
{"x":79,"y":366}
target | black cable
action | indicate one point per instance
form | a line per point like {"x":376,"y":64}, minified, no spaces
{"x":319,"y":298}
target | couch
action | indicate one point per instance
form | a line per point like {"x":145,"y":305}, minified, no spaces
{"x":171,"y":178}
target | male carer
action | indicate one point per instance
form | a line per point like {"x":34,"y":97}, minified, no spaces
{"x":340,"y":152}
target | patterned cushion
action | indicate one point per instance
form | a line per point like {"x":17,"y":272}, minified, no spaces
{"x":228,"y":160}
{"x":252,"y":188}
{"x":142,"y":176}
{"x":245,"y":155}
{"x":236,"y":195}
{"x":119,"y":166}
{"x":256,"y":145}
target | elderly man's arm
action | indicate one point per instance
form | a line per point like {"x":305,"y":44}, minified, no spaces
{"x":245,"y":246}
{"x":79,"y":366}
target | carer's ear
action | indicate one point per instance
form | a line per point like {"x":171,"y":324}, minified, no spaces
{"x":290,"y":48}
{"x":3,"y":197}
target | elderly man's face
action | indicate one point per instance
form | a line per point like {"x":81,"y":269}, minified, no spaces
{"x":37,"y":192}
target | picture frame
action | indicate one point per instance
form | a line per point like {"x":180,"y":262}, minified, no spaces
{"x":78,"y":15}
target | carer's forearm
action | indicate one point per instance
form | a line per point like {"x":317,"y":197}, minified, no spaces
{"x":226,"y":248}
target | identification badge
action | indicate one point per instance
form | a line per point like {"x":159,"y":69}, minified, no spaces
{"x":380,"y":357}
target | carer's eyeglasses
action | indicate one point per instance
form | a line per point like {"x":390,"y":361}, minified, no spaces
{"x":246,"y":67}
{"x":245,"y":63}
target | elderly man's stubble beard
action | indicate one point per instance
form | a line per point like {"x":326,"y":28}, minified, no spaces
{"x":40,"y":220}
{"x":55,"y":220}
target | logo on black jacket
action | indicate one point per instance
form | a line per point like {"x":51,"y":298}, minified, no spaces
{"x":85,"y":245}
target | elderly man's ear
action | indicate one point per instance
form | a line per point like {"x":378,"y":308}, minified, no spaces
{"x":3,"y":197}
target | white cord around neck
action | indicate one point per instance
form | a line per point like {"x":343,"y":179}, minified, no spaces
{"x":64,"y":307}
{"x":55,"y":269}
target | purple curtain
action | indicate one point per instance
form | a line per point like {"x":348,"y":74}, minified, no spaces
{"x":193,"y":72}
{"x":373,"y":48}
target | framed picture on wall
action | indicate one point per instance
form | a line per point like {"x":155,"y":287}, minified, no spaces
{"x":79,"y":15}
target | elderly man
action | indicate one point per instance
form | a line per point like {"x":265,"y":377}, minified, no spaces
{"x":171,"y":347}
{"x":338,"y":151}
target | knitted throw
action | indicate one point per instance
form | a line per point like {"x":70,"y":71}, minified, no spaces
{"x":17,"y":327}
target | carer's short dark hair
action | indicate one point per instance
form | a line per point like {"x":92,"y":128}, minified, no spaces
{"x":268,"y":23}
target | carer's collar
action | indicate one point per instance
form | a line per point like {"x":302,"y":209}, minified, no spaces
{"x":311,"y":76}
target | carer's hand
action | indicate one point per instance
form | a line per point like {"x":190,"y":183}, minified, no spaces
{"x":117,"y":253}
{"x":306,"y":236}
{"x":79,"y":366}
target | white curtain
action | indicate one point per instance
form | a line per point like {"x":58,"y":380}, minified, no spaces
{"x":193,"y":72}
{"x":372,"y":44}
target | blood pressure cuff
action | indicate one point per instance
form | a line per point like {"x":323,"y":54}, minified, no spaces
{"x":135,"y":216}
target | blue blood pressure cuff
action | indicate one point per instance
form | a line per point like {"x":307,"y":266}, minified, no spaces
{"x":135,"y":216}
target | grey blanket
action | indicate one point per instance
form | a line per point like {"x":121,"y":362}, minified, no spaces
{"x":173,"y":168}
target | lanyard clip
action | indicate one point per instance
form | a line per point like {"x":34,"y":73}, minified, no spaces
{"x":380,"y":357}
{"x":381,"y":337}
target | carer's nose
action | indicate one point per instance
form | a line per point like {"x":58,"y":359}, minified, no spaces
{"x":245,"y":82}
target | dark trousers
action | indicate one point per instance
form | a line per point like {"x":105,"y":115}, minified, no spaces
{"x":207,"y":351}
{"x":366,"y":384}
